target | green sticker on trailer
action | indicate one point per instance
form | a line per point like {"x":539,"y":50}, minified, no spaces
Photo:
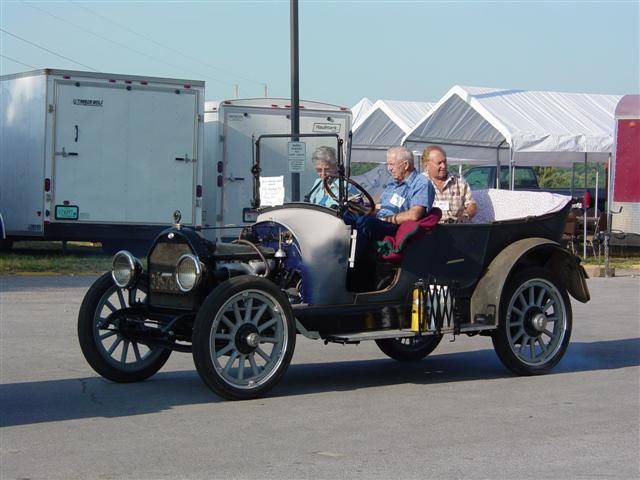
{"x":66,"y":212}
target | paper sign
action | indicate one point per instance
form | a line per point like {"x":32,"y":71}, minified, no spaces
{"x":297,"y":153}
{"x":271,"y":191}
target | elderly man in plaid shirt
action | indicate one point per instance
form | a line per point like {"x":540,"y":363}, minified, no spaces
{"x":453,"y":194}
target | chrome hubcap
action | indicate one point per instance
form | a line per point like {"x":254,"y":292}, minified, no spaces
{"x":539,"y":322}
{"x":253,"y":340}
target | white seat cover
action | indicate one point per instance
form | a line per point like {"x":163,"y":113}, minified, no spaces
{"x":500,"y":205}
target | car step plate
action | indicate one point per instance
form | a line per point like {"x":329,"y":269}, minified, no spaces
{"x":357,"y":337}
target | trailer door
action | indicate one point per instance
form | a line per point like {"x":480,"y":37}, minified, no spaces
{"x":124,"y":156}
{"x":240,"y":131}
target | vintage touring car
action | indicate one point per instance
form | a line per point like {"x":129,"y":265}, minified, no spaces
{"x":238,"y":306}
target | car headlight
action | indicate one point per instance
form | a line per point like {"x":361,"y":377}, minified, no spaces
{"x":126,"y":269}
{"x":188,"y":272}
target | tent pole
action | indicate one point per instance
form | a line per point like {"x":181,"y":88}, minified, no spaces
{"x":595,"y":205}
{"x":607,"y":238}
{"x":498,"y":164}
{"x":512,"y":167}
{"x":584,"y":207}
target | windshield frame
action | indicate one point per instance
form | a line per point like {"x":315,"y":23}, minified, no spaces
{"x":295,"y":177}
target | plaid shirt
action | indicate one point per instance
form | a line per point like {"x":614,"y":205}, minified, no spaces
{"x":457,"y":192}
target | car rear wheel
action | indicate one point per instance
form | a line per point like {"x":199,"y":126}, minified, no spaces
{"x":243,"y":338}
{"x":535,"y":322}
{"x":409,"y":349}
{"x":105,"y":345}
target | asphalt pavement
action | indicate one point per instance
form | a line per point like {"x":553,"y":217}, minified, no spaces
{"x":339,"y":412}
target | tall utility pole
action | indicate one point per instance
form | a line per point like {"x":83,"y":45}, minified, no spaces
{"x":266,"y":90}
{"x":295,"y":95}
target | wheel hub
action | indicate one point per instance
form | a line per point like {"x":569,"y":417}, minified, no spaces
{"x":535,"y":321}
{"x":247,"y":338}
{"x":539,"y":322}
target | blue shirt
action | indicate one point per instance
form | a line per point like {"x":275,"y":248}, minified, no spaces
{"x":400,"y":196}
{"x":320,"y":197}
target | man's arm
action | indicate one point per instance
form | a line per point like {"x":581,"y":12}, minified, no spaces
{"x":470,"y":206}
{"x":471,"y":210}
{"x":415,"y":213}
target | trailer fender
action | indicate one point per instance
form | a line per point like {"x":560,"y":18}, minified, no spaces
{"x":542,"y":252}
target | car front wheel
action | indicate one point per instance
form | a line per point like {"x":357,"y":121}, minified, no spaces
{"x":243,"y":338}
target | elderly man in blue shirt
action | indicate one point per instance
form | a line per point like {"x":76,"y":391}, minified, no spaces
{"x":409,"y":196}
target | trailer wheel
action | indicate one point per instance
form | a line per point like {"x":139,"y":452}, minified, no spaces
{"x":106,"y":348}
{"x":409,"y":349}
{"x":6,"y":245}
{"x":243,"y":338}
{"x":535,"y":322}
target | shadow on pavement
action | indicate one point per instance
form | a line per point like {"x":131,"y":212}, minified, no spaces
{"x":77,"y":398}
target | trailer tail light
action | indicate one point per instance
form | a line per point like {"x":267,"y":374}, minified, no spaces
{"x":128,"y":82}
{"x":287,"y":106}
{"x":47,"y":184}
{"x":46,"y":222}
{"x":301,"y":106}
{"x":220,"y":167}
{"x":274,"y":105}
{"x":198,"y":228}
{"x":198,"y":191}
{"x":66,"y":77}
{"x":227,"y":102}
{"x":220,"y":181}
{"x":344,"y":109}
{"x":186,"y":85}
{"x":111,"y":80}
{"x":144,"y":82}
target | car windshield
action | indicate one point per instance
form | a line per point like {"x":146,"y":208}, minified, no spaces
{"x":291,"y":170}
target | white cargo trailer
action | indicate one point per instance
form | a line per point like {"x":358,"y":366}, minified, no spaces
{"x":99,"y":157}
{"x":231,"y":129}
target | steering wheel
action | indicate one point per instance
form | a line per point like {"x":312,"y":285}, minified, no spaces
{"x":352,"y":205}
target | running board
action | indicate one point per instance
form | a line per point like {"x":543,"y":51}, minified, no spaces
{"x":358,"y":337}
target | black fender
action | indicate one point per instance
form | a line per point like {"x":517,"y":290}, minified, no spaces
{"x":542,"y":252}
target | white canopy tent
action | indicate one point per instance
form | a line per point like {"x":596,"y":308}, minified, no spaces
{"x":360,"y":109}
{"x":483,"y":125}
{"x":385,"y":125}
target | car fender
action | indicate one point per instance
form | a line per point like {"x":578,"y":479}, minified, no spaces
{"x":485,"y":300}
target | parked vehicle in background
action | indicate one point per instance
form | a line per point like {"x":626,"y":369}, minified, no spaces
{"x":626,"y":173}
{"x":525,"y":178}
{"x":231,"y":129}
{"x":99,"y":157}
{"x":4,"y":243}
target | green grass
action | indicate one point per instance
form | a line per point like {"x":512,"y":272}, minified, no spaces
{"x":48,"y":257}
{"x":620,"y":262}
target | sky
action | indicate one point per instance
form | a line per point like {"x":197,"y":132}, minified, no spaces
{"x":348,"y":50}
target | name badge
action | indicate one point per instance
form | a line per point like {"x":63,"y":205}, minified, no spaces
{"x":442,"y":205}
{"x":397,"y":200}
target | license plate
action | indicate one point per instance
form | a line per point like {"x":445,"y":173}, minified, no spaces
{"x":66,"y":212}
{"x":163,"y":282}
